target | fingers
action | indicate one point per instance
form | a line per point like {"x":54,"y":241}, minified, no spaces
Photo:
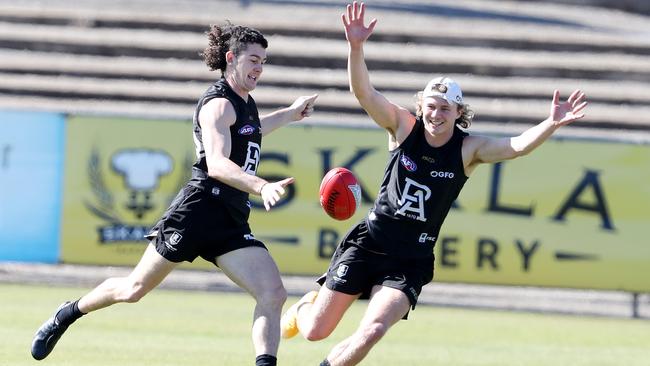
{"x":580,"y":107}
{"x":556,"y":97}
{"x":579,"y":98}
{"x":308,"y":105}
{"x":312,"y":98}
{"x":371,"y":26}
{"x":307,"y":112}
{"x":272,"y":192}
{"x":572,"y":98}
{"x":355,"y":12}
{"x":303,"y":106}
{"x":286,"y":181}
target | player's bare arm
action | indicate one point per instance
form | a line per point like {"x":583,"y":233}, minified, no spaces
{"x":481,"y":149}
{"x":216,"y":118}
{"x":302,"y":107}
{"x":396,"y":120}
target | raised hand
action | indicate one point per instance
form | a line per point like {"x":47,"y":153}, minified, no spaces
{"x":303,"y":107}
{"x":355,"y":31}
{"x":563,"y":113}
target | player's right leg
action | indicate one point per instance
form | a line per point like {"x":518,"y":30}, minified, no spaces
{"x":148,"y":274}
{"x":385,"y":308}
{"x":316,"y":318}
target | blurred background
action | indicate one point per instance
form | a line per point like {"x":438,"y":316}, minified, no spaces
{"x":84,"y":82}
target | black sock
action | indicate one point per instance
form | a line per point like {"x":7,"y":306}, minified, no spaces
{"x":69,"y":313}
{"x":325,"y":363}
{"x":265,"y":360}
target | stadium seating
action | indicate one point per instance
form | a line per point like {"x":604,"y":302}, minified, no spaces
{"x":140,"y":58}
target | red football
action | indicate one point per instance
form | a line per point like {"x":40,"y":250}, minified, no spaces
{"x":340,"y":193}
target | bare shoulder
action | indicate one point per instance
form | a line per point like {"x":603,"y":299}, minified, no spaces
{"x":218,"y":111}
{"x":471,"y":144}
{"x":405,"y":123}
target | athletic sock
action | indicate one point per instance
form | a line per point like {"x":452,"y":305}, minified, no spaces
{"x":265,"y":360}
{"x":325,"y":363}
{"x":69,"y":313}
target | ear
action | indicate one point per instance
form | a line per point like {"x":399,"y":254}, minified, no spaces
{"x":459,"y":111}
{"x":230,"y":57}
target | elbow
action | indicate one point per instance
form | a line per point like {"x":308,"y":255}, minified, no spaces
{"x":519,"y":153}
{"x":216,"y":170}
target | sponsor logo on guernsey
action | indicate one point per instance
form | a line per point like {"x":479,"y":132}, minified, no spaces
{"x":408,"y":163}
{"x":246,"y":130}
{"x":341,"y":271}
{"x":424,"y":237}
{"x":413,"y":292}
{"x":447,"y":175}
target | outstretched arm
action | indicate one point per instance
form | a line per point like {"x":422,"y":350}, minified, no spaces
{"x":301,"y":108}
{"x":481,"y":149}
{"x":380,"y":109}
{"x":216,"y":117}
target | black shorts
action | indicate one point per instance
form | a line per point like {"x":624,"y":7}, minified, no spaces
{"x":355,"y":270}
{"x":198,"y":224}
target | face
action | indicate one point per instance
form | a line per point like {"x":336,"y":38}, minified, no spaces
{"x":245,"y":69}
{"x":439,"y":116}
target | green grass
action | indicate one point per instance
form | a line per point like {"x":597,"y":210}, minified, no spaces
{"x":196,"y":328}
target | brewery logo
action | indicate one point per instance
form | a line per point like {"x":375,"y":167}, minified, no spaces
{"x":129,"y":219}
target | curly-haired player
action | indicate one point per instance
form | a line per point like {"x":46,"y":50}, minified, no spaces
{"x":209,"y":216}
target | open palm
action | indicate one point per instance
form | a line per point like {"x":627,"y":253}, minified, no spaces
{"x":563,"y":113}
{"x":355,"y":31}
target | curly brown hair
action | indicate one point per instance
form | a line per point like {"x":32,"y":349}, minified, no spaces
{"x":229,"y":37}
{"x":464,"y":121}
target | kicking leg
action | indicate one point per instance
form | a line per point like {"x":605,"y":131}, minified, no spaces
{"x":318,"y":320}
{"x":385,"y":308}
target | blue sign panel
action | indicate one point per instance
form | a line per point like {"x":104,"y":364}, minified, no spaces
{"x":31,"y":171}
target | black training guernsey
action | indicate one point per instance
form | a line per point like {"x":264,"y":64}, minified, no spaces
{"x":419,"y":187}
{"x":246,"y":141}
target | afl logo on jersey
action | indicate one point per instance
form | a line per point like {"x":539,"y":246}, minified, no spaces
{"x":246,"y":130}
{"x":408,"y":163}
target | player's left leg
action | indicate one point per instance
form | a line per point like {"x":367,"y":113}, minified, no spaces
{"x":253,"y":269}
{"x":385,"y":308}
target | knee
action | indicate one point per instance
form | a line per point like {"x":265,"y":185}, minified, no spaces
{"x":373,"y":332}
{"x":131,"y":291}
{"x":273,"y":297}
{"x":313,"y":333}
{"x":313,"y":330}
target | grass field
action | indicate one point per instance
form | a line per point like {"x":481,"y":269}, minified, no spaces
{"x":196,"y":328}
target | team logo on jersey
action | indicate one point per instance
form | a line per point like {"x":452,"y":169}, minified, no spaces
{"x":246,"y":130}
{"x":412,"y":201}
{"x":129,"y":212}
{"x":408,"y":163}
{"x":252,"y":158}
